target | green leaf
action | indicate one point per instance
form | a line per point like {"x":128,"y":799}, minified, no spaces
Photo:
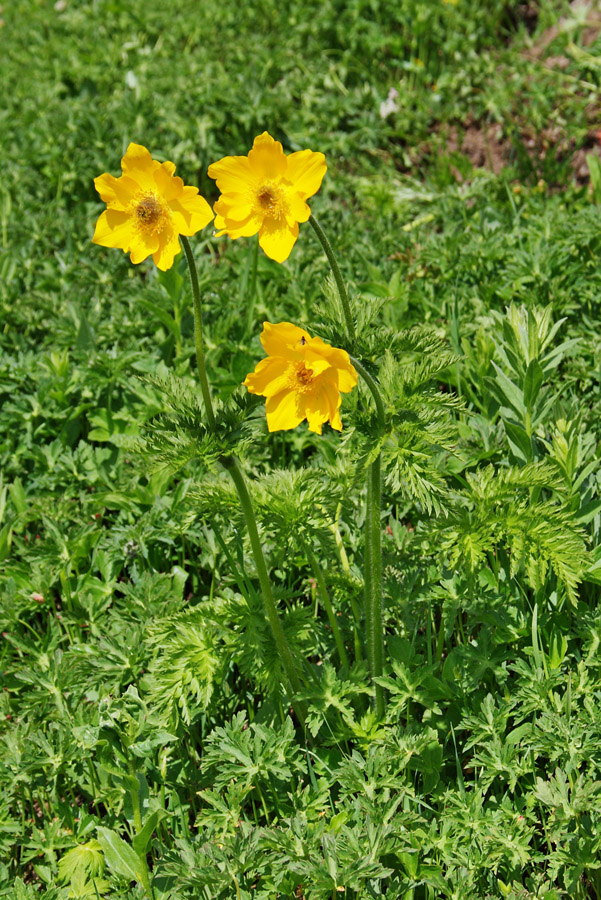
{"x":588,"y":511}
{"x":557,"y":649}
{"x":85,"y":858}
{"x":86,"y":339}
{"x":507,"y":391}
{"x":172,"y":282}
{"x":17,"y":495}
{"x":532,"y":383}
{"x":594,"y":167}
{"x":141,"y":840}
{"x":520,"y":443}
{"x":536,"y":651}
{"x":121,"y":857}
{"x":22,"y":891}
{"x":161,"y":314}
{"x":6,"y":536}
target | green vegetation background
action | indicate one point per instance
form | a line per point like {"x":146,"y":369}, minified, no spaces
{"x":133,"y":653}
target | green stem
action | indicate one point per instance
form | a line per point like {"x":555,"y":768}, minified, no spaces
{"x":177,"y":318}
{"x":346,"y":308}
{"x":350,"y":325}
{"x":373,"y":552}
{"x":372,"y":384}
{"x":233,"y":467}
{"x":373,"y":581}
{"x":200,"y":356}
{"x":263,"y":804}
{"x":333,"y":526}
{"x":373,"y":541}
{"x":318,"y":573}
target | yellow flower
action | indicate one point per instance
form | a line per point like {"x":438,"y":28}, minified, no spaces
{"x":265,"y":192}
{"x":302,"y":378}
{"x":148,"y":208}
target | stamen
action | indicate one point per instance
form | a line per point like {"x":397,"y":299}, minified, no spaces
{"x":305,"y":376}
{"x":271,"y":201}
{"x":266,"y":199}
{"x":300,"y":378}
{"x":150,"y":213}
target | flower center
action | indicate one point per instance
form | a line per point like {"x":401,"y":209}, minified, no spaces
{"x":150,"y":212}
{"x":266,"y":199}
{"x":304,"y":376}
{"x":271,"y":201}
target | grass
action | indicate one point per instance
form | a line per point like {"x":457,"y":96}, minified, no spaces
{"x":147,"y":745}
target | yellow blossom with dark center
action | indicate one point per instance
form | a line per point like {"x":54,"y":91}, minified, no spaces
{"x":148,"y":207}
{"x":302,"y":378}
{"x":266,"y":192}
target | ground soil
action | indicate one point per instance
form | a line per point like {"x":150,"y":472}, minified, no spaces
{"x":489,"y":145}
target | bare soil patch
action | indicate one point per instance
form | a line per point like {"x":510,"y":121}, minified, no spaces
{"x":591,"y":15}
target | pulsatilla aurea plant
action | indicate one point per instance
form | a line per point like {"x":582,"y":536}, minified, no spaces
{"x":303,"y":376}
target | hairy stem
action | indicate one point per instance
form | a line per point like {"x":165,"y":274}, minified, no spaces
{"x":346,"y":308}
{"x":200,"y":355}
{"x":233,"y":467}
{"x":373,"y":541}
{"x":373,"y":553}
{"x":373,"y":581}
{"x":373,"y":388}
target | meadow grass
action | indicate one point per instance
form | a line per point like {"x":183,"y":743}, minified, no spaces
{"x":148,"y":745}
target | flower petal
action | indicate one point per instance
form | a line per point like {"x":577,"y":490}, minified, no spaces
{"x":318,"y":366}
{"x":342,"y":371}
{"x":335,"y":401}
{"x":335,"y":420}
{"x":267,"y":158}
{"x":277,"y":238}
{"x":317,"y":407}
{"x":284,"y":340}
{"x":142,"y":245}
{"x":322,"y":405}
{"x":305,"y":172}
{"x":167,"y":185}
{"x":298,"y":211}
{"x":139,"y":165}
{"x":342,"y":379}
{"x":282,"y":411}
{"x":269,"y":378}
{"x":169,"y":247}
{"x":237,"y":206}
{"x":114,"y":228}
{"x":116,"y":192}
{"x":232,"y":173}
{"x":190,"y":212}
{"x":233,"y":228}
